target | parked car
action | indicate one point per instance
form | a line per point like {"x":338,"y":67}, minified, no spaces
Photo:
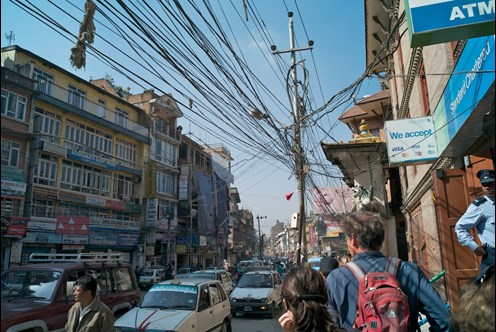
{"x":37,"y":297}
{"x":183,"y":272}
{"x":222,"y":276}
{"x":257,"y":292}
{"x":150,"y":277}
{"x":180,"y":305}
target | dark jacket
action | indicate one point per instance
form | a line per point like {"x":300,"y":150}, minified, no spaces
{"x":422,"y":297}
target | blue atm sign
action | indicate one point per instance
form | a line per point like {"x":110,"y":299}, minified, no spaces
{"x":438,"y":21}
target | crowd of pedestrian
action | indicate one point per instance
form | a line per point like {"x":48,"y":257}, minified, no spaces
{"x":329,"y":300}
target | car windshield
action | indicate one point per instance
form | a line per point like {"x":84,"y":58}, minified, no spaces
{"x":170,"y":296}
{"x":255,"y":281}
{"x":27,"y":284}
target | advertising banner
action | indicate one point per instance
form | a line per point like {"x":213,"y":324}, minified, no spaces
{"x":438,"y":21}
{"x":411,"y":141}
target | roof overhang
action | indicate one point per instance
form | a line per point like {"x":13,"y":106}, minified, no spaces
{"x":377,"y":27}
{"x":349,"y":157}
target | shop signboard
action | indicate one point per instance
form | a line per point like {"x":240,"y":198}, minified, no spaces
{"x":438,"y":21}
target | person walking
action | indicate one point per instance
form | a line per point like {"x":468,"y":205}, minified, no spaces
{"x":88,"y":313}
{"x":305,"y":297}
{"x":364,"y":233}
{"x":480,"y":215}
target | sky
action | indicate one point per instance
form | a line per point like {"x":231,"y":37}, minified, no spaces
{"x":218,"y":72}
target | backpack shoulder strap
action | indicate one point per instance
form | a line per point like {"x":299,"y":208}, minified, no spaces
{"x":393,"y":265}
{"x":357,"y":271}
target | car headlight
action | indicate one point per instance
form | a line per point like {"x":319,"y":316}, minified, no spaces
{"x":233,"y":299}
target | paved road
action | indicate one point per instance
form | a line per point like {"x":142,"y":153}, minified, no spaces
{"x":256,"y":323}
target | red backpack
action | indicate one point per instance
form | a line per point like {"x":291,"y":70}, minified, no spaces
{"x":382,"y":305}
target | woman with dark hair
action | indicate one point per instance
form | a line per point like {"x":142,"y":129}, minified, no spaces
{"x":305,"y":296}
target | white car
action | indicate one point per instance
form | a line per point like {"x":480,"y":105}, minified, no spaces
{"x":257,"y":292}
{"x":223,"y":276}
{"x":150,"y":277}
{"x":180,"y":305}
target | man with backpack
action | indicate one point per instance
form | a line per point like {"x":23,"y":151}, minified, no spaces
{"x":407,"y":290}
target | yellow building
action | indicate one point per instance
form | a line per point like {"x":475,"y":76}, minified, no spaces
{"x":85,"y":168}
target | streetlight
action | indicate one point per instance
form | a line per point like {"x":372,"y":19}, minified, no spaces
{"x":260,"y":244}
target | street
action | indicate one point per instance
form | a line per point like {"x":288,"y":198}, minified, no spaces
{"x":256,"y":323}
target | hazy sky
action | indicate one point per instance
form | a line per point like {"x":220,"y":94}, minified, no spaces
{"x":336,"y":61}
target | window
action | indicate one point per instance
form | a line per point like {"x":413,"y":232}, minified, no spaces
{"x":77,"y":97}
{"x":424,"y":91}
{"x":46,"y":171}
{"x":50,"y":124}
{"x":7,"y":207}
{"x":215,"y":294}
{"x":13,"y":105}
{"x":82,"y":178}
{"x":123,"y":187}
{"x":45,"y":81}
{"x":165,"y":183}
{"x":161,"y":125}
{"x":10,"y":153}
{"x":165,"y":152}
{"x":125,"y":151}
{"x":42,"y":208}
{"x":101,"y":108}
{"x":121,"y":117}
{"x":87,"y":139}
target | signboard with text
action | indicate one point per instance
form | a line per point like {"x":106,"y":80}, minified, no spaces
{"x":411,"y":141}
{"x":438,"y":21}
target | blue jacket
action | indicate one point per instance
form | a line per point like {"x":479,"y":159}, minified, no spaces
{"x":422,"y":297}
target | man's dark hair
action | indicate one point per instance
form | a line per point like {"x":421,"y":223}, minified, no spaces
{"x":367,"y":227}
{"x":87,"y":282}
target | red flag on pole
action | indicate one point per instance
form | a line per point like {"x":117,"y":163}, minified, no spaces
{"x":289,"y":195}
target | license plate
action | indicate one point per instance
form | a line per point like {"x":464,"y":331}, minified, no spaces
{"x":248,"y":308}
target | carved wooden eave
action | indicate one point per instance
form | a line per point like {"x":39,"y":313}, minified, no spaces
{"x":348,"y":156}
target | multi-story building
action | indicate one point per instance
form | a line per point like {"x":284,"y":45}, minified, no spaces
{"x":441,"y":87}
{"x":160,"y":231}
{"x":17,"y":138}
{"x":84,"y":179}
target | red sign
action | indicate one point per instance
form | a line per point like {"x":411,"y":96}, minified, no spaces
{"x":72,"y":225}
{"x":116,"y":205}
{"x":14,"y":226}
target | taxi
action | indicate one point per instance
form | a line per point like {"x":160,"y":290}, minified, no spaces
{"x":257,"y":292}
{"x":180,"y":305}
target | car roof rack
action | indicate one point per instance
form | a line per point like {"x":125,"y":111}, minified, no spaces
{"x":74,"y":258}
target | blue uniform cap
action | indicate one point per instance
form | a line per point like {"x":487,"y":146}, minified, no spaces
{"x":486,"y":175}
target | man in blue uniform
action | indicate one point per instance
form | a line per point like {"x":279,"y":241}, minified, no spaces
{"x":480,"y":215}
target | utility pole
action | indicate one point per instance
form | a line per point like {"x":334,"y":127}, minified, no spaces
{"x":260,"y":240}
{"x":299,"y":160}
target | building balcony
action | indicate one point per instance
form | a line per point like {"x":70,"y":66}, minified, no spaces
{"x":92,"y":112}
